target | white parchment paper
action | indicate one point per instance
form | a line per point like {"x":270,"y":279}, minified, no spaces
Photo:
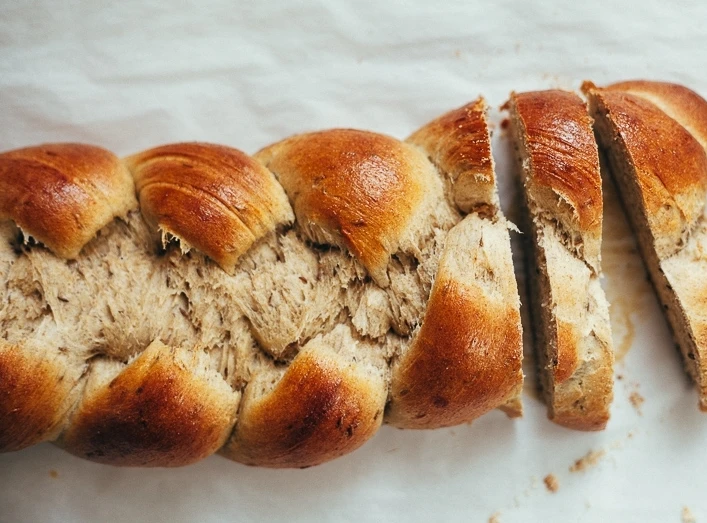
{"x":131,"y":75}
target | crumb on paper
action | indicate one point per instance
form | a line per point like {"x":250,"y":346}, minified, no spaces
{"x":687,"y":516}
{"x":505,"y":123}
{"x":495,"y":518}
{"x":636,"y":400}
{"x":551,"y":483}
{"x":619,"y":376}
{"x":590,"y":459}
{"x":630,"y":434}
{"x":53,"y":474}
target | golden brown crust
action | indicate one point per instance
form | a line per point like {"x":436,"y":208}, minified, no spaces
{"x":157,"y":412}
{"x":672,"y":179}
{"x":677,"y":101}
{"x":62,"y":194}
{"x":458,"y":143}
{"x":321,"y":409}
{"x":351,"y":188}
{"x":214,"y":198}
{"x":464,"y":361}
{"x":563,"y":155}
{"x":36,"y":390}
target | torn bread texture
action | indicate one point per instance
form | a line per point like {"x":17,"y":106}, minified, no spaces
{"x":558,"y":167}
{"x":653,"y":135}
{"x":282,"y":344}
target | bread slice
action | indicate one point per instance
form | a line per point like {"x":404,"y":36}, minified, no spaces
{"x":558,"y":165}
{"x":474,"y":300}
{"x":654,"y":136}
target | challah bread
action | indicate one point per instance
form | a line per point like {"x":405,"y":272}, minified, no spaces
{"x":558,"y":165}
{"x":275,"y":309}
{"x":654,"y":136}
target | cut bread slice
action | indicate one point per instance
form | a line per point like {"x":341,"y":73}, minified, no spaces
{"x":558,"y":166}
{"x":654,"y":136}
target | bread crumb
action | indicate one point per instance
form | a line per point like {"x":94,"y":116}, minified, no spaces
{"x":505,"y":123}
{"x":617,"y":444}
{"x":687,"y":516}
{"x":590,"y":459}
{"x":53,"y":474}
{"x":551,"y":483}
{"x":619,"y":376}
{"x":637,"y":400}
{"x":495,"y":518}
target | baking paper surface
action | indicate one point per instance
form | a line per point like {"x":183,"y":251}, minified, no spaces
{"x":137,"y":74}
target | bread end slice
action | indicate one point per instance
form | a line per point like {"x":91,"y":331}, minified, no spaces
{"x":559,"y":171}
{"x":653,"y":136}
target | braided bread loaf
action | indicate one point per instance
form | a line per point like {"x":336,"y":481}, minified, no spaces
{"x":274,"y":308}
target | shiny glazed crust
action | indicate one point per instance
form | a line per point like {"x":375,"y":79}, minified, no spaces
{"x":62,"y":194}
{"x":198,"y":374}
{"x":563,"y":154}
{"x":214,"y":198}
{"x":158,"y":411}
{"x":355,"y":189}
{"x":320,"y":410}
{"x":458,"y":143}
